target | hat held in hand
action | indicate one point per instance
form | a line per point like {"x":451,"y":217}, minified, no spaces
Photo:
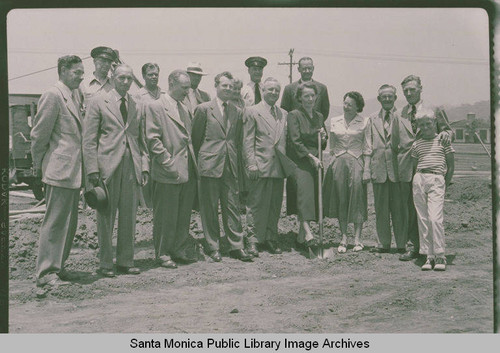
{"x":97,"y":197}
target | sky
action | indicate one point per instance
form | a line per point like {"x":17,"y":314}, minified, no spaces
{"x":353,"y":49}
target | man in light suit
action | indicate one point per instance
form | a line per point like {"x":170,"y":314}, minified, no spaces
{"x":173,"y":170}
{"x":195,"y":95}
{"x":407,"y":132}
{"x":289,"y":102}
{"x":381,"y":168}
{"x":114,"y":150}
{"x":215,"y":146}
{"x":56,"y":148}
{"x":264,"y":137}
{"x":252,"y":91}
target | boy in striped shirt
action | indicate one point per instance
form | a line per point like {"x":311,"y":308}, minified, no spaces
{"x":434,"y":164}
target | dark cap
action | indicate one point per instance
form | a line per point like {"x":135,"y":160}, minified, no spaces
{"x":255,"y":61}
{"x":105,"y":53}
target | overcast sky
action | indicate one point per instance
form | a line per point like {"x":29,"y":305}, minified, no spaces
{"x":353,"y":49}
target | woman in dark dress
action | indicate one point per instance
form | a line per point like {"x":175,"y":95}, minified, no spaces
{"x":343,"y":188}
{"x":303,"y":125}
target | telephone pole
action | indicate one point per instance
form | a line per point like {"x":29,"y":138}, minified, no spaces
{"x":291,"y":63}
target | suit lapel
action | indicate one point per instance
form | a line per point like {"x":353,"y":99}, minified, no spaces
{"x":379,"y":125}
{"x":280,"y":125}
{"x":131,"y":112}
{"x":266,"y":115}
{"x":405,"y":120}
{"x":217,"y":114}
{"x":112,"y":106}
{"x":172,"y":112}
{"x":70,"y":104}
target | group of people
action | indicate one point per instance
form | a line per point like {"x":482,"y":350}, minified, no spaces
{"x":177,"y":150}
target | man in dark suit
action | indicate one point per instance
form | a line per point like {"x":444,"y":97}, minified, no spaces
{"x":264,"y":136}
{"x":381,"y":169}
{"x":289,"y":101}
{"x":215,"y":146}
{"x":195,"y":95}
{"x":406,"y":129}
{"x":114,"y":149}
{"x":56,"y":147}
{"x":173,"y":170}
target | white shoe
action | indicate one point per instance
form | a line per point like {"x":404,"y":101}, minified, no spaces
{"x":428,"y":264}
{"x":440,"y":264}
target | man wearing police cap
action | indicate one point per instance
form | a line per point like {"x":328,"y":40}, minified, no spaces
{"x":252,"y":91}
{"x":104,"y":57}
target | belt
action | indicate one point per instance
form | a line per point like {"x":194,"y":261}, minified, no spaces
{"x":428,"y":171}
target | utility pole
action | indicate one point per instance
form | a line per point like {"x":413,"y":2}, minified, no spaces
{"x":291,"y":63}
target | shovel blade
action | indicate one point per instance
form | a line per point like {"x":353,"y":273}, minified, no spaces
{"x":321,"y":253}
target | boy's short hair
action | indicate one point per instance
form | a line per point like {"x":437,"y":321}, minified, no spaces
{"x":425,"y":114}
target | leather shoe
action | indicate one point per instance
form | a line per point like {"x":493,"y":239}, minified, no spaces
{"x":216,"y":256}
{"x":168,"y":264}
{"x":380,"y":250}
{"x":128,"y":270}
{"x":252,"y":250}
{"x":272,"y":247}
{"x":106,"y":272}
{"x":408,"y":256}
{"x":240,"y":254}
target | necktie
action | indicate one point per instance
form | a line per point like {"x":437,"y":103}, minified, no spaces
{"x":123,"y":109}
{"x":273,"y":111}
{"x":225,"y":114}
{"x":184,"y":117}
{"x":387,"y":124}
{"x":412,"y":118}
{"x":257,"y":94}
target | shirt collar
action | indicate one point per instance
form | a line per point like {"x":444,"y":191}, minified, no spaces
{"x":220,"y":103}
{"x":95,"y":79}
{"x":267,"y":106}
{"x":171,"y":100}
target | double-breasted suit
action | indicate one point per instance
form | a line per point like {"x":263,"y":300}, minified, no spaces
{"x":173,"y":170}
{"x":406,"y":136}
{"x":56,"y":149}
{"x":381,"y":167}
{"x":215,"y":145}
{"x":264,"y":137}
{"x":115,"y":148}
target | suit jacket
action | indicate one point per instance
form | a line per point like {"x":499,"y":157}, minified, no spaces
{"x":380,"y":152}
{"x":213,"y":141}
{"x":404,"y":130}
{"x":169,"y":142}
{"x":106,"y":136}
{"x":322,"y":104}
{"x":263,"y":138}
{"x":201,"y":97}
{"x":56,"y":138}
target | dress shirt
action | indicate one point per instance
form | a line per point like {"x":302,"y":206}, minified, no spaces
{"x":248,"y":93}
{"x":144,"y":94}
{"x":92,"y":86}
{"x":347,"y":138}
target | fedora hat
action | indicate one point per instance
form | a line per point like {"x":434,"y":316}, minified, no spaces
{"x":195,"y":68}
{"x":97,"y":197}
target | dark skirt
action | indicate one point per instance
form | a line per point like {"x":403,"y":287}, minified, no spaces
{"x":344,"y":194}
{"x":302,"y":193}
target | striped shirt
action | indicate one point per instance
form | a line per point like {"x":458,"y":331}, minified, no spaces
{"x":431,"y":155}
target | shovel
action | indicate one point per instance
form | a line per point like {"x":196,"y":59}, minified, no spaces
{"x":322,"y":253}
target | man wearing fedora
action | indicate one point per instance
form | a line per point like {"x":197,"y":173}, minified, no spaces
{"x":173,"y":170}
{"x":104,"y":58}
{"x":195,"y":95}
{"x":215,"y":146}
{"x":56,"y":148}
{"x":252,"y":91}
{"x":114,"y":151}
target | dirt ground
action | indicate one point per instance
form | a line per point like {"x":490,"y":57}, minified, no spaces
{"x":352,"y":292}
